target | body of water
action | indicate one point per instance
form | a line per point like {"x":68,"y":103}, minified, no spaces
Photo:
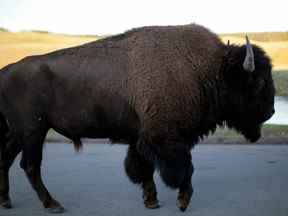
{"x":281,"y":111}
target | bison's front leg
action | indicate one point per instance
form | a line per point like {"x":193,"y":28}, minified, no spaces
{"x":140,"y":171}
{"x":176,"y":171}
{"x":150,"y":194}
{"x":186,"y":189}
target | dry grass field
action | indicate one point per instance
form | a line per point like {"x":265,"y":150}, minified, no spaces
{"x":14,"y":46}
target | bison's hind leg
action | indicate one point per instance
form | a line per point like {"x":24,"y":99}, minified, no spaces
{"x":9,"y":149}
{"x":8,"y":154}
{"x":31,"y":163}
{"x":140,"y":171}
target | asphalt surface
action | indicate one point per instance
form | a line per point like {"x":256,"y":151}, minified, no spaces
{"x":228,"y":180}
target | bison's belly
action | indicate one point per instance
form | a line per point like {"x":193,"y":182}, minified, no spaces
{"x":95,"y":120}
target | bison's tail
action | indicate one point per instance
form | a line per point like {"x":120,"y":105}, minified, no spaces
{"x":171,"y":163}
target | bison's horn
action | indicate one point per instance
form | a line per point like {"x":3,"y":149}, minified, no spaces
{"x":249,"y":64}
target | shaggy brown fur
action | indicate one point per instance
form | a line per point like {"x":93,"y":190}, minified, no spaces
{"x":159,"y":89}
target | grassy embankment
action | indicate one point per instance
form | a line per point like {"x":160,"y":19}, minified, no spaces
{"x":14,"y":46}
{"x":271,"y":134}
{"x":281,"y":82}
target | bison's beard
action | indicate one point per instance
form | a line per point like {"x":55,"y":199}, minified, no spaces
{"x":252,"y":134}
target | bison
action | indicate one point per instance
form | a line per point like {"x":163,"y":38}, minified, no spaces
{"x":159,"y":89}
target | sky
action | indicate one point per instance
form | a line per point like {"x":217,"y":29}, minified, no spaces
{"x":115,"y":16}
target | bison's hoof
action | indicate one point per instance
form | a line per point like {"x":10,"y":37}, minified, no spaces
{"x":6,"y":204}
{"x":182,"y":205}
{"x":152,"y":204}
{"x":56,"y":210}
{"x":183,"y":201}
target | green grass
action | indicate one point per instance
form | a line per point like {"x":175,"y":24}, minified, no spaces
{"x":281,"y":82}
{"x":275,"y":130}
{"x":271,"y":134}
{"x":268,"y":130}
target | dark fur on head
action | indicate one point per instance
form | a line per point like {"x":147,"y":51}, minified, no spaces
{"x":250,"y":95}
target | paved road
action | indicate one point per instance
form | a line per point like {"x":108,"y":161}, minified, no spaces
{"x":229,"y":180}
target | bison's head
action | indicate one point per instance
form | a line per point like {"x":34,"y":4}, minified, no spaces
{"x":250,"y":89}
